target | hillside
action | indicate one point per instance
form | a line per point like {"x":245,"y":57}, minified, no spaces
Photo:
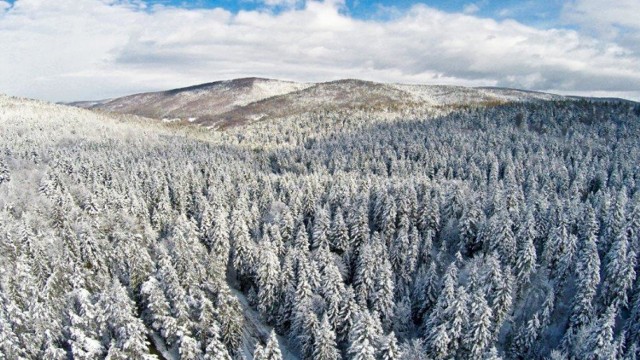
{"x":195,"y":102}
{"x":231,"y":103}
{"x":508,"y":231}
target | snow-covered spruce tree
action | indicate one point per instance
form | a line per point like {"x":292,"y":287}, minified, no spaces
{"x":444,"y":324}
{"x":632,"y":327}
{"x":364,"y":337}
{"x":321,"y":228}
{"x":503,"y":300}
{"x":501,"y":239}
{"x":526,"y":337}
{"x":308,"y":329}
{"x":596,"y":341}
{"x":157,"y":312}
{"x":324,"y":347}
{"x":587,"y":273}
{"x":526,"y":255}
{"x":425,"y":291}
{"x":219,"y":245}
{"x":615,"y":222}
{"x":470,"y":223}
{"x":188,"y":347}
{"x":339,"y":235}
{"x":230,"y":319}
{"x":216,"y":350}
{"x":242,"y":246}
{"x":173,"y":290}
{"x":82,"y":337}
{"x":271,"y":351}
{"x":123,"y":334}
{"x":383,"y":298}
{"x":349,"y":312}
{"x":332,"y":288}
{"x":364,"y":276}
{"x":478,"y":336}
{"x":5,"y":175}
{"x":389,"y":348}
{"x":358,"y":224}
{"x":268,"y":279}
{"x":619,"y":272}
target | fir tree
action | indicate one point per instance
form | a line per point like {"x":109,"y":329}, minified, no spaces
{"x":271,"y":350}
{"x":587,"y":274}
{"x":619,"y":272}
{"x":526,"y":253}
{"x":389,"y":350}
{"x":268,"y":274}
{"x":478,"y":335}
{"x":363,"y":338}
{"x":325,"y":342}
{"x":339,"y":234}
{"x":321,"y":228}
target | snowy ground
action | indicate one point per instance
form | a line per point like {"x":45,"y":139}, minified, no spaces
{"x":255,"y":329}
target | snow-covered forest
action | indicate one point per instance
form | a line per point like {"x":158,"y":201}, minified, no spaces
{"x":509,"y":232}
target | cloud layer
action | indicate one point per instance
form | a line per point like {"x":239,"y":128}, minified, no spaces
{"x":85,"y":49}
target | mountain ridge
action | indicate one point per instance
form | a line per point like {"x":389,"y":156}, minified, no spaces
{"x":229,"y":103}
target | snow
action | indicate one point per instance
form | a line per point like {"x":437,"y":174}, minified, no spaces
{"x":162,"y":349}
{"x":438,"y":95}
{"x":255,"y":329}
{"x":264,"y":89}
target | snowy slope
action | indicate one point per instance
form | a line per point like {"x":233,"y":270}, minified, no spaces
{"x":196,"y":101}
{"x":237,"y":102}
{"x":442,"y":95}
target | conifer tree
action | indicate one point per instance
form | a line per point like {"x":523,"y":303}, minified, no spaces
{"x":268,"y":280}
{"x":363,"y":338}
{"x":587,"y":274}
{"x":220,"y":245}
{"x":619,"y":272}
{"x":339,"y":234}
{"x":478,"y":335}
{"x":321,"y":228}
{"x":271,"y":350}
{"x":325,"y":342}
{"x":188,"y":347}
{"x":389,"y":350}
{"x":157,"y":311}
{"x":119,"y":324}
{"x":526,"y":252}
{"x":243,"y":261}
{"x":5,"y":175}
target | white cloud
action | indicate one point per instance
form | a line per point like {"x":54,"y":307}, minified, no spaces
{"x":617,"y":21}
{"x":603,"y":14}
{"x":83,"y":49}
{"x":283,"y":3}
{"x":470,"y":9}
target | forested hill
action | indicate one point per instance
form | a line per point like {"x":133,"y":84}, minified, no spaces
{"x":507,"y":232}
{"x":238,"y":102}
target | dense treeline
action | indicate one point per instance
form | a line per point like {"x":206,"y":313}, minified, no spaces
{"x":509,"y":232}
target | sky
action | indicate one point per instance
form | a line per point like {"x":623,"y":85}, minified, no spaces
{"x":66,"y":50}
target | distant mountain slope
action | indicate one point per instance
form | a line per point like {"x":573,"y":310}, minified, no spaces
{"x":230,"y":103}
{"x":341,"y":95}
{"x":443,"y":95}
{"x":196,"y":101}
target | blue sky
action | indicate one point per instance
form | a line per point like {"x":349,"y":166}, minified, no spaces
{"x":539,"y":13}
{"x":67,"y":50}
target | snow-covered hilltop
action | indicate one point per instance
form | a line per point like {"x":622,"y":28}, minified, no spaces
{"x":236,"y":102}
{"x":196,"y":102}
